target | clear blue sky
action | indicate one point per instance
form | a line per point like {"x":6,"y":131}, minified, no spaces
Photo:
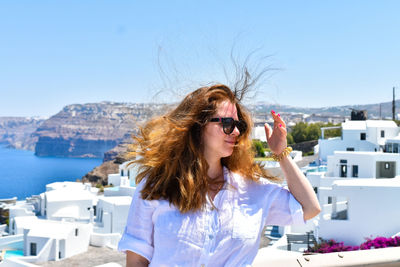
{"x":55,"y":53}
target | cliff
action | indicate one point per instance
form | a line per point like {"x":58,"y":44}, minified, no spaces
{"x":89,"y":130}
{"x":17,"y":132}
{"x":111,"y":161}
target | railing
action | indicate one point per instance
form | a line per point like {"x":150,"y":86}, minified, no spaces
{"x":308,"y":239}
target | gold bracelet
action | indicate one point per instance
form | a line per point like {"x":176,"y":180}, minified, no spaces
{"x":283,"y":154}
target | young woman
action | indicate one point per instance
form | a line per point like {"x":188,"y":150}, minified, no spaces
{"x":201,"y":200}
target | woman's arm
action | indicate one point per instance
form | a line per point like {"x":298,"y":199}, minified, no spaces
{"x":300,"y":188}
{"x":298,"y":184}
{"x":133,"y":260}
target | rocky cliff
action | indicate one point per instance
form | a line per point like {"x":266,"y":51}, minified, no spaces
{"x":89,"y":130}
{"x":16,"y":132}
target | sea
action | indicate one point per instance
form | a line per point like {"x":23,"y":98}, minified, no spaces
{"x":22,"y":174}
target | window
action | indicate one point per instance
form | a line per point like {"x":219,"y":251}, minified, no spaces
{"x":122,"y":172}
{"x":355,"y":170}
{"x":343,"y":170}
{"x":33,"y":249}
{"x":339,"y":208}
{"x":363,"y":136}
{"x":389,"y":147}
{"x":76,"y":232}
{"x":395,"y":148}
{"x":387,"y":165}
{"x":343,"y":161}
{"x":382,"y":133}
{"x":350,"y":149}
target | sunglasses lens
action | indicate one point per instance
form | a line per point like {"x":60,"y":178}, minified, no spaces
{"x":242,"y":126}
{"x":228,"y":124}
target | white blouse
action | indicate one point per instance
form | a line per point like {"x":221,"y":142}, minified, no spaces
{"x":226,"y":236}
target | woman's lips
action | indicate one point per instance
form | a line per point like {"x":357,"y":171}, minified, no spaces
{"x":231,"y":142}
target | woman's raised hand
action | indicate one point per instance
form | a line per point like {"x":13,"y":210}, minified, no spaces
{"x":276,"y":137}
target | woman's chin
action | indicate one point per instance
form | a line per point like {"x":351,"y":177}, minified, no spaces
{"x":228,"y":152}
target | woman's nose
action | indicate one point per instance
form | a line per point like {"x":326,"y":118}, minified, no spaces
{"x":236,"y":131}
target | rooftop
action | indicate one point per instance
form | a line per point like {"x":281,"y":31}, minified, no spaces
{"x":359,"y":182}
{"x":362,"y":125}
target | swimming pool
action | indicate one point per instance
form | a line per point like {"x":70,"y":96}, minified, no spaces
{"x":13,"y":253}
{"x":322,"y":168}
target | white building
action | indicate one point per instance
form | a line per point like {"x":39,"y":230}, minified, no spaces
{"x":353,"y":210}
{"x":67,"y":203}
{"x":125,"y":177}
{"x":258,"y":132}
{"x":112,"y":213}
{"x":23,"y":211}
{"x":358,"y":194}
{"x":124,"y":182}
{"x":353,"y":165}
{"x":18,"y":224}
{"x":48,"y":240}
{"x":111,"y":216}
{"x":368,"y":135}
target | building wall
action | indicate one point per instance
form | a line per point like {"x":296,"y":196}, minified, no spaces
{"x":366,"y":163}
{"x":40,"y":243}
{"x":114,"y":216}
{"x":258,"y":132}
{"x":114,"y":179}
{"x":78,"y":244}
{"x":119,"y":218}
{"x":372,"y":212}
{"x":328,"y":146}
{"x":82,"y":205}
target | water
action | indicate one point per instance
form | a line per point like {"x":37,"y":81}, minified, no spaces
{"x":14,"y":253}
{"x":22,"y":174}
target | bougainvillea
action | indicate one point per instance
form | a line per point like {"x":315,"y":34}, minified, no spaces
{"x":328,"y":246}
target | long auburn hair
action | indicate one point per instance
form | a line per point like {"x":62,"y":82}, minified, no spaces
{"x":168,"y":150}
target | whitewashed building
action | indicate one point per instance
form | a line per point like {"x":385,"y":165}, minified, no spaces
{"x":19,"y":223}
{"x":48,"y":240}
{"x":355,"y":209}
{"x":353,"y":165}
{"x":368,"y":135}
{"x":112,"y":213}
{"x":67,"y":203}
{"x":126,"y":175}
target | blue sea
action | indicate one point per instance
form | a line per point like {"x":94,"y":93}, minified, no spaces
{"x":23,"y":174}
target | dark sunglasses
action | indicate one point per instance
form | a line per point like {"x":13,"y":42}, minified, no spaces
{"x":229,"y":124}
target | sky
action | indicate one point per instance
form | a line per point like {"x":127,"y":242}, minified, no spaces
{"x":319,"y":53}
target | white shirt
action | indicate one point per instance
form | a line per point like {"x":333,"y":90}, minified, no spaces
{"x":226,"y":236}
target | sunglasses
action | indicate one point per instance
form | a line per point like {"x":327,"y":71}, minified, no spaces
{"x":229,"y":124}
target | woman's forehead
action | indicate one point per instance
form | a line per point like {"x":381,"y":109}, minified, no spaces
{"x":226,"y":109}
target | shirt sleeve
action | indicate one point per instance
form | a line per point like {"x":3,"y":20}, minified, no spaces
{"x":138,"y":233}
{"x":283,"y":209}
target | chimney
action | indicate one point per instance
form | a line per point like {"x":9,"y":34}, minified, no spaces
{"x":393,"y":106}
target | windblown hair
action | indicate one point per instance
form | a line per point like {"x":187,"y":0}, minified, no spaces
{"x":168,"y":150}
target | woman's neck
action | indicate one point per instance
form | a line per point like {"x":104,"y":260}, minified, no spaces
{"x":215,"y":169}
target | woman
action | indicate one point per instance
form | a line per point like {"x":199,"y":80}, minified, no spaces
{"x":201,"y":200}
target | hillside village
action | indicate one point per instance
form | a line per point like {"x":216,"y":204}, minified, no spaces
{"x":356,"y":178}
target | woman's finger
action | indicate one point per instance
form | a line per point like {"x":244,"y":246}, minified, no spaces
{"x":268,"y":130}
{"x":277,"y":119}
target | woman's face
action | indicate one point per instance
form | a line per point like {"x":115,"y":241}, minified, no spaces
{"x":216,"y":143}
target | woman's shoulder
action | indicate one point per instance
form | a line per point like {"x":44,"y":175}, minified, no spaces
{"x":138,"y":196}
